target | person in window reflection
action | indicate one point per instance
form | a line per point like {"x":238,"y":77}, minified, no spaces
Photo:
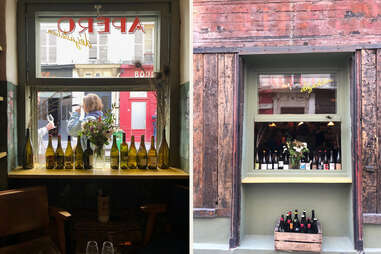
{"x":92,"y":106}
{"x":43,"y":131}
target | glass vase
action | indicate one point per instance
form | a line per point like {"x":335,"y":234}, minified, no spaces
{"x":99,"y":157}
{"x":295,"y":163}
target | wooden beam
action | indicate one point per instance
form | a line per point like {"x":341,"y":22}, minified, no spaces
{"x":371,"y":218}
{"x":211,"y":212}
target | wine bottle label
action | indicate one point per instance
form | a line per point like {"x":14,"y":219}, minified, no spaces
{"x":281,"y":164}
{"x":338,"y":166}
{"x":50,"y":162}
{"x":302,"y":165}
{"x":308,"y":166}
{"x":256,"y":166}
{"x":285,"y":167}
{"x":114,"y":162}
{"x":275,"y":166}
{"x":331,"y":166}
{"x":269,"y":166}
{"x":263,"y":166}
{"x":326,"y":166}
{"x":314,"y":166}
{"x":152,"y":162}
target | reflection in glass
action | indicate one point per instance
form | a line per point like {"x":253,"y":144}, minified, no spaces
{"x":297,"y":94}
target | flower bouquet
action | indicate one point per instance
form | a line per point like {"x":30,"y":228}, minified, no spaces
{"x":99,"y":132}
{"x":296,"y":149}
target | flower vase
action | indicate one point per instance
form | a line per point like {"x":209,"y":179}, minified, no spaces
{"x":295,"y":163}
{"x":99,"y":157}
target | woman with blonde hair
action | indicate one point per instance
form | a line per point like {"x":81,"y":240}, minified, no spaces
{"x":92,"y":105}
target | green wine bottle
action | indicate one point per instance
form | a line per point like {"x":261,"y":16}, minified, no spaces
{"x":142,"y":154}
{"x":132,"y":154}
{"x":28,"y":152}
{"x":88,"y":157}
{"x":69,"y":157}
{"x":152,"y":155}
{"x":50,"y":157}
{"x":124,"y":153}
{"x":78,"y":154}
{"x":59,"y":155}
{"x":114,"y":154}
{"x":163,"y":157}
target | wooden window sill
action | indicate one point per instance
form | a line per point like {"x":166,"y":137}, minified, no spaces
{"x":171,"y":173}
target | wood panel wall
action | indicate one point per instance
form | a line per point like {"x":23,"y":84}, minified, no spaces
{"x":214,"y":82}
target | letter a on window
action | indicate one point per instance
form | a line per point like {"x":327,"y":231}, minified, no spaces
{"x":136,"y":26}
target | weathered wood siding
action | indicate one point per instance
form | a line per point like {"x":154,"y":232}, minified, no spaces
{"x":214,"y":81}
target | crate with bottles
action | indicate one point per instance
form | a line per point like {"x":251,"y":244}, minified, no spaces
{"x":294,"y":234}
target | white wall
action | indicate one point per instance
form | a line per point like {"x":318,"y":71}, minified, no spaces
{"x":11,"y":36}
{"x":184,"y":41}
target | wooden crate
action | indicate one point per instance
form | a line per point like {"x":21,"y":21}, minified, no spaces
{"x":290,"y":242}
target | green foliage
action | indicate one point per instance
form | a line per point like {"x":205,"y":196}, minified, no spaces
{"x":295,"y":148}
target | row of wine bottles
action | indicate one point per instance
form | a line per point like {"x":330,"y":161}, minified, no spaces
{"x":318,"y":160}
{"x":304,"y":225}
{"x":126,"y":158}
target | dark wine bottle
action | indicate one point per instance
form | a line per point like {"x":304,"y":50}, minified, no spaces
{"x":256,"y":162}
{"x":281,"y":224}
{"x":124,"y":153}
{"x":263,"y":161}
{"x":286,"y":165}
{"x":303,"y":225}
{"x":163,"y":156}
{"x":314,"y":227}
{"x":114,"y":154}
{"x":308,"y":161}
{"x":331,"y":161}
{"x":275,"y":160}
{"x":69,"y":156}
{"x":309,"y":226}
{"x":296,"y":222}
{"x":60,"y":160}
{"x":312,"y":215}
{"x":152,"y":155}
{"x":269,"y":161}
{"x":281,"y":160}
{"x":88,"y":157}
{"x":320,"y":162}
{"x":78,"y":154}
{"x":50,"y":155}
{"x":338,"y":159}
{"x":142,"y":154}
{"x":326,"y":164}
{"x":132,"y":154}
{"x":28,"y":152}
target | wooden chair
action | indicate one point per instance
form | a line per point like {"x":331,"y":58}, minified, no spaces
{"x":25,"y":221}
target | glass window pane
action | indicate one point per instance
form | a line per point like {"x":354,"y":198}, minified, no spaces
{"x":113,"y":54}
{"x":297,"y":93}
{"x":138,"y":115}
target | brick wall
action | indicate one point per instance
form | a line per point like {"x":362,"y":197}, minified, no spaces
{"x":255,"y":23}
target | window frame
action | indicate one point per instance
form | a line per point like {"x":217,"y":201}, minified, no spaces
{"x":251,"y":116}
{"x":167,"y":56}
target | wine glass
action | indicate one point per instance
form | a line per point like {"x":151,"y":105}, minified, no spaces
{"x":108,"y":248}
{"x":92,"y":247}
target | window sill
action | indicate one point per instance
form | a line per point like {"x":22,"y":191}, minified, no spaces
{"x":171,"y":173}
{"x":297,"y":179}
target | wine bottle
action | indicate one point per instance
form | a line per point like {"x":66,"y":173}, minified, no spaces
{"x":320,"y":161}
{"x":50,"y":155}
{"x":88,"y":157}
{"x":163,"y":157}
{"x":152,"y":155}
{"x":60,"y":160}
{"x":331,"y":161}
{"x":264,"y":162}
{"x":256,"y":162}
{"x":303,"y":225}
{"x":124,"y":153}
{"x":296,"y":222}
{"x":114,"y":154}
{"x":308,"y":161}
{"x":286,"y":161}
{"x":303,"y":162}
{"x":312,"y":214}
{"x":314,"y":165}
{"x":69,"y":157}
{"x":28,"y":152}
{"x":308,"y":225}
{"x":269,"y":161}
{"x":314,"y":227}
{"x":281,"y":160}
{"x":275,"y":160}
{"x":326,"y":164}
{"x":281,"y":224}
{"x":132,"y":154}
{"x":78,"y":154}
{"x":142,"y":154}
{"x":338,"y":160}
{"x":288,"y":222}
